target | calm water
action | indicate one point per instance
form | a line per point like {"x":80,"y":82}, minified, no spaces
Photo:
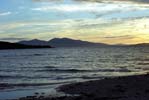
{"x":27,"y":71}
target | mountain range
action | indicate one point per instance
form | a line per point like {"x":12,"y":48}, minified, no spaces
{"x":34,"y":42}
{"x":67,"y":42}
{"x":59,"y":42}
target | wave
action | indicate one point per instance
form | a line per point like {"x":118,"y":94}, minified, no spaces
{"x":25,"y":55}
{"x":140,"y":59}
{"x":20,"y":77}
{"x":31,"y":69}
{"x":66,"y":70}
{"x":143,"y":63}
{"x":81,"y":70}
{"x":9,"y":85}
{"x":7,"y":76}
{"x":115,"y":70}
{"x":49,"y":67}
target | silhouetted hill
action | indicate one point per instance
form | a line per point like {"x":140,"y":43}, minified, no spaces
{"x":66,"y":42}
{"x":34,"y":42}
{"x":7,"y":45}
{"x":142,"y":45}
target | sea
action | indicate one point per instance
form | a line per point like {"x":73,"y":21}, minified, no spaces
{"x":24,"y":72}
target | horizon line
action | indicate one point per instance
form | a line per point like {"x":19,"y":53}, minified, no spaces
{"x":72,"y":39}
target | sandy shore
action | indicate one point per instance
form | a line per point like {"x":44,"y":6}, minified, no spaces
{"x":119,"y":88}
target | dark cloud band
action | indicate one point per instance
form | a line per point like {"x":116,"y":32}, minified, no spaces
{"x":137,"y":1}
{"x":12,"y":39}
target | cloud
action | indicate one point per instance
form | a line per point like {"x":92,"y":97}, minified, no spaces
{"x":12,"y":39}
{"x":90,"y":7}
{"x":47,"y":0}
{"x":107,"y":31}
{"x":71,"y":8}
{"x":136,"y":1}
{"x":95,"y":9}
{"x":5,"y":13}
{"x":120,"y":37}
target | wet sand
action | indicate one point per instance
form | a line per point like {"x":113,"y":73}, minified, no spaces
{"x":118,"y":88}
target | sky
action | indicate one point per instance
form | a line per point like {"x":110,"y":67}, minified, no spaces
{"x":104,"y":21}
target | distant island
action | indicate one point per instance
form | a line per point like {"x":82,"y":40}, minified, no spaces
{"x":7,"y":45}
{"x":59,"y":42}
{"x":62,"y":42}
{"x":67,"y":42}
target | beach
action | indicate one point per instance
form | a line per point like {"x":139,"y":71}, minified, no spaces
{"x":134,"y":87}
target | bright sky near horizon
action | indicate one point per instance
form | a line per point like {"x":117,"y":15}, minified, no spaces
{"x":106,"y":21}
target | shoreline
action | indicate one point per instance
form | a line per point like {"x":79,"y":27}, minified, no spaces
{"x":134,"y":87}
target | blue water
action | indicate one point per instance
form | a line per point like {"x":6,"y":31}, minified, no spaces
{"x":24,"y":72}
